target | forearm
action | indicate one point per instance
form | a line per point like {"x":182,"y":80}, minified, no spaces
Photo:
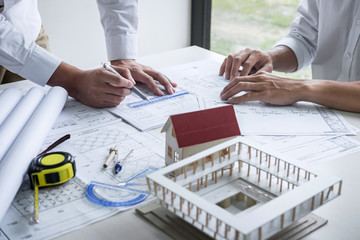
{"x":64,"y":77}
{"x":283,"y":59}
{"x":340,"y":95}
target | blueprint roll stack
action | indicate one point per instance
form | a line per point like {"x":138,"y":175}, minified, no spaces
{"x":30,"y":131}
{"x":8,"y":100}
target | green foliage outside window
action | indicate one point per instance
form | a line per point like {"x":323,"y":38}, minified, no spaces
{"x":256,"y":24}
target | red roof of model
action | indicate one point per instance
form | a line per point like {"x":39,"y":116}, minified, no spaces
{"x":205,"y":125}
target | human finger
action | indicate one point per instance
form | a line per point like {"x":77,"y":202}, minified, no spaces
{"x":112,"y":100}
{"x":269,"y":97}
{"x":101,"y":97}
{"x":108,"y":101}
{"x":115,"y":80}
{"x":241,"y":87}
{"x":231,"y":84}
{"x":124,"y":72}
{"x":249,"y":96}
{"x":249,"y":64}
{"x":237,"y":63}
{"x":266,"y":68}
{"x":163,"y":80}
{"x":102,"y":88}
{"x":222,"y":67}
{"x":117,"y":91}
{"x":228,"y":66}
{"x":143,"y":77}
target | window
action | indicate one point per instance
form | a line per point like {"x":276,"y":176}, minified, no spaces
{"x":176,"y":156}
{"x":169,"y":152}
{"x":173,"y":133}
{"x":255,"y":24}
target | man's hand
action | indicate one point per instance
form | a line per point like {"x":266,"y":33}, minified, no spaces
{"x":95,"y":88}
{"x":251,"y":61}
{"x":266,"y":87}
{"x":146,"y":75}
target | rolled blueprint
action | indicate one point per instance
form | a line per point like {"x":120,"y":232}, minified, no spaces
{"x":8,"y":100}
{"x":17,"y":119}
{"x":15,"y":163}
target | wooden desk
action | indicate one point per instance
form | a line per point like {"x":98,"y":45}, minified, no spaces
{"x":343,"y":213}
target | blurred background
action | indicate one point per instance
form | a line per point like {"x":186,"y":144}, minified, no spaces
{"x":77,"y":37}
{"x":256,"y":24}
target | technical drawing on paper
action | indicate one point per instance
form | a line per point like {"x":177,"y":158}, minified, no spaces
{"x":54,"y":197}
{"x":310,"y":149}
{"x":201,"y":79}
{"x":154,"y":115}
{"x":90,"y":147}
{"x":332,"y":119}
{"x":76,"y":115}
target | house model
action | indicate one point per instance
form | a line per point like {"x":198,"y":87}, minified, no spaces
{"x":193,"y":132}
{"x":250,"y":193}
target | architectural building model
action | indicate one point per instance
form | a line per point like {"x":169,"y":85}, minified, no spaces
{"x":248,"y":193}
{"x":193,"y":132}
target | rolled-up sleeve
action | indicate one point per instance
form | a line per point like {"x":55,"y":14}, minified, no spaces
{"x":119,"y":19}
{"x":23,"y":56}
{"x":303,"y":34}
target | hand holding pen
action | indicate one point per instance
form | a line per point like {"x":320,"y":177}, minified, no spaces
{"x":147,"y":75}
{"x":134,"y":89}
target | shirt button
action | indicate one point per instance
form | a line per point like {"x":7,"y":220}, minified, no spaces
{"x":348,"y":55}
{"x":358,"y":21}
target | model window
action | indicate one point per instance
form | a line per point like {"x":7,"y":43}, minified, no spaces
{"x":169,"y":152}
{"x":173,"y":133}
{"x":177,"y":156}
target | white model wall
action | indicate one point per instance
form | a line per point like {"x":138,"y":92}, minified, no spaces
{"x":77,"y":37}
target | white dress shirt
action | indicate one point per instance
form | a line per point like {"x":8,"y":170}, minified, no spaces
{"x":20,"y":24}
{"x":325,"y":34}
{"x":119,"y":19}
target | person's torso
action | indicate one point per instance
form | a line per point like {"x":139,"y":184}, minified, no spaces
{"x":23,"y":15}
{"x":338,"y":51}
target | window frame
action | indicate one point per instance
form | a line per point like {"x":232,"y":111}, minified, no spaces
{"x":201,"y":23}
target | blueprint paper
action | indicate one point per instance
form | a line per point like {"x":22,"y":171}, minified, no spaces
{"x":65,"y":208}
{"x":93,"y":132}
{"x":17,"y":119}
{"x":256,"y":118}
{"x":15,"y":163}
{"x":155,"y":115}
{"x":8,"y":100}
{"x":76,"y":115}
{"x":310,"y":149}
{"x":203,"y":84}
{"x":301,"y":118}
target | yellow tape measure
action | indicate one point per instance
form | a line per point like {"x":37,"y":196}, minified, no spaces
{"x":47,"y":170}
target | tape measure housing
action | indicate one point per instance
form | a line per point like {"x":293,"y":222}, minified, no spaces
{"x":51,"y":169}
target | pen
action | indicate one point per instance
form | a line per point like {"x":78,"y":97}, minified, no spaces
{"x":56,"y":143}
{"x":112,"y":152}
{"x":134,"y":89}
{"x":118,"y":165}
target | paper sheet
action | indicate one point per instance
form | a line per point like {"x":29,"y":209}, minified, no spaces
{"x":201,"y":81}
{"x":310,"y":149}
{"x":155,"y":115}
{"x":93,"y":131}
{"x":14,"y":165}
{"x":256,"y":118}
{"x":76,"y":115}
{"x":64,"y":208}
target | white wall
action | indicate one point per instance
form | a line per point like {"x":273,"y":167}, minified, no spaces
{"x":77,"y":37}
